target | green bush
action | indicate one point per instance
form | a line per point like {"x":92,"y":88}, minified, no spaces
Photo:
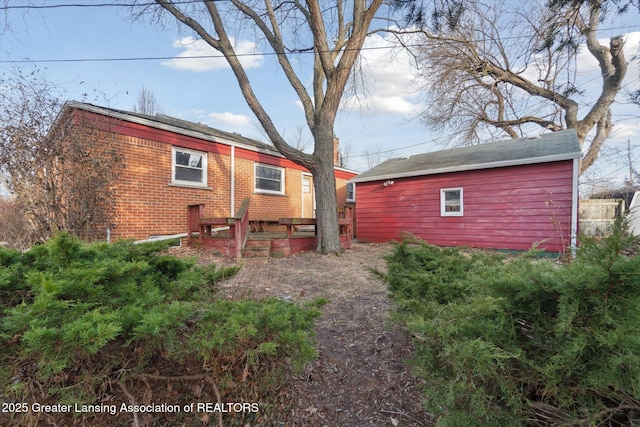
{"x":75,"y":317}
{"x":522,"y":340}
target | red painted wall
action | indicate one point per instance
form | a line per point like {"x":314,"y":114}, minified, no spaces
{"x":505,"y":208}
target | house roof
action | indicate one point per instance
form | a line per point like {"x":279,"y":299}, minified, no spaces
{"x":172,"y":124}
{"x":184,"y":127}
{"x":549,"y":147}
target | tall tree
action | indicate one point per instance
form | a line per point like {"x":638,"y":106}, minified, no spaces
{"x":512,"y":66}
{"x":146,"y":103}
{"x":59,"y":174}
{"x":334,"y":32}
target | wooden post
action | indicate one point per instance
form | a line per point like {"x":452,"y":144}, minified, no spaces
{"x":239,"y":239}
{"x":194,"y":212}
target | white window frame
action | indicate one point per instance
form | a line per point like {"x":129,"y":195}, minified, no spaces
{"x":255,"y":179}
{"x":353,"y":192}
{"x":307,"y":178}
{"x":203,"y":182}
{"x":443,"y":195}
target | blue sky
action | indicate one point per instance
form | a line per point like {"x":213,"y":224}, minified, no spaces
{"x":206,"y":91}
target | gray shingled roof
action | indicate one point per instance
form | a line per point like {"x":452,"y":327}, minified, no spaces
{"x":161,"y":121}
{"x":555,"y":146}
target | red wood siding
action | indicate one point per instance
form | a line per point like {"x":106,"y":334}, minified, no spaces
{"x":506,"y":208}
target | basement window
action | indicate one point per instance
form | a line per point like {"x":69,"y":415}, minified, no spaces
{"x":451,"y":202}
{"x":189,"y":167}
{"x":269,"y":179}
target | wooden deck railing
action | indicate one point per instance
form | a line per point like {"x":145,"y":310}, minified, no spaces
{"x":345,"y":223}
{"x":238,"y":227}
{"x":291,"y":224}
{"x":242,"y":228}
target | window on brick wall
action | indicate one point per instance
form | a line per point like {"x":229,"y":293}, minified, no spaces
{"x":189,"y":167}
{"x":269,"y":179}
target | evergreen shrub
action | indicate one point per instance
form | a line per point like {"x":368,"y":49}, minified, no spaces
{"x":522,"y":340}
{"x":79,"y":320}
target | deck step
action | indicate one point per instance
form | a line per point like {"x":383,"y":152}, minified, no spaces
{"x":257,"y":248}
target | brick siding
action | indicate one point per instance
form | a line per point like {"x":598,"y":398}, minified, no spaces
{"x":147,"y":203}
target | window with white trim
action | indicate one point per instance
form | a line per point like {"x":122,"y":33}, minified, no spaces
{"x":451,"y":202}
{"x":351,"y":192}
{"x":189,"y":167}
{"x":269,"y":179}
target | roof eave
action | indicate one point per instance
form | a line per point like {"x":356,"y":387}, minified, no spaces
{"x":170,"y":128}
{"x":182,"y":131}
{"x":464,"y":168}
{"x":341,"y":169}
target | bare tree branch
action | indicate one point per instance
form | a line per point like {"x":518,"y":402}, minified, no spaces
{"x":479,"y":77}
{"x":147,"y":103}
{"x":38,"y":151}
{"x":338,"y":33}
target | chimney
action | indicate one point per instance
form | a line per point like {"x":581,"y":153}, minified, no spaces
{"x":336,"y":151}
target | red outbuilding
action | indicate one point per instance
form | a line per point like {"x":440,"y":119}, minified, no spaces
{"x":506,"y":195}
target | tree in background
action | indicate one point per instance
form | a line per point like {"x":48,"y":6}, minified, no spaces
{"x":146,"y":103}
{"x":15,"y":230}
{"x":334,"y":32}
{"x":512,"y":67}
{"x":59,"y":173}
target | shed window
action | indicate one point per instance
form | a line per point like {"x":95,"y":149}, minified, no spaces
{"x":189,"y":167}
{"x":269,"y":179}
{"x":351,"y":192}
{"x":451,"y":202}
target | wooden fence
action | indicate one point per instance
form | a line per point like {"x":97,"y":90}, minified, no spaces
{"x":597,"y":215}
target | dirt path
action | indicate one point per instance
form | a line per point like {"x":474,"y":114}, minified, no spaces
{"x":362,"y":377}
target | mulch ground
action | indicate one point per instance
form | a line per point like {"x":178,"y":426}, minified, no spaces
{"x":362,"y":376}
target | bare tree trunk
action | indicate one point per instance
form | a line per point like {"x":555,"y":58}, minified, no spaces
{"x":324,"y":182}
{"x":336,"y":46}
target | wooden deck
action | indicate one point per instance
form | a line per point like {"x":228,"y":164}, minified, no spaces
{"x":264,"y":244}
{"x":238,"y":237}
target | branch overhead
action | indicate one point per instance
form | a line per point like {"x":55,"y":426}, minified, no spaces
{"x":512,"y":68}
{"x":336,"y":33}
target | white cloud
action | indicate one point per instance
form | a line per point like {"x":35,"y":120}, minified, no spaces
{"x":624,"y":131}
{"x":229,"y":119}
{"x":391,"y":104}
{"x":389,"y":79}
{"x":197,"y":55}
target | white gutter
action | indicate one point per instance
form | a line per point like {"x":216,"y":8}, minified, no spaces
{"x":233,"y":181}
{"x":341,"y":169}
{"x":463,"y":168}
{"x":574,"y":206}
{"x":159,"y":238}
